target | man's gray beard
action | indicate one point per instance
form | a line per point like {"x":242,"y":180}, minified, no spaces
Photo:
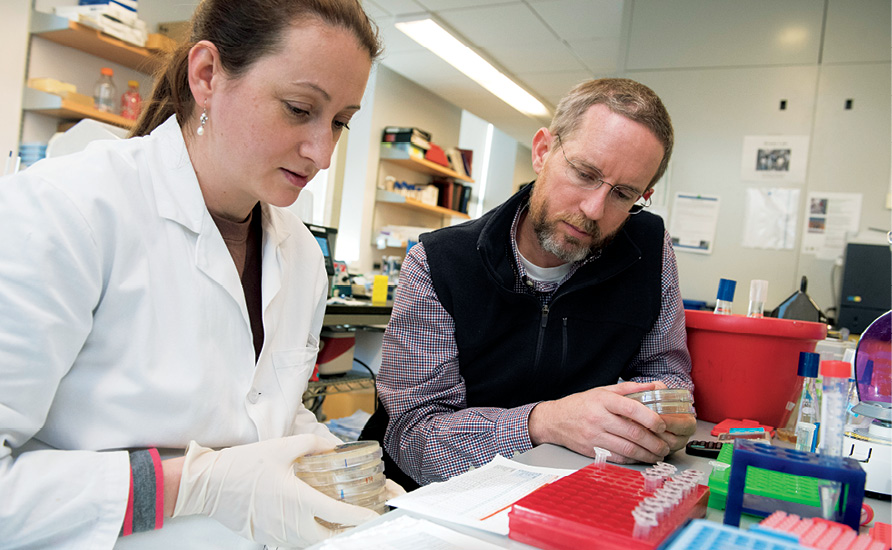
{"x":556,"y":244}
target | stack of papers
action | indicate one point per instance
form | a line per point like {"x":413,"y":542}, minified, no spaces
{"x":480,"y":498}
{"x":406,"y":533}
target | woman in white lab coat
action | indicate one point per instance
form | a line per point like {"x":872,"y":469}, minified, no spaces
{"x":154,"y":297}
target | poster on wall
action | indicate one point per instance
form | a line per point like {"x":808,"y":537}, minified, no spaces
{"x":770,"y":218}
{"x":829,"y":216}
{"x":694,"y":219}
{"x":781,"y":159}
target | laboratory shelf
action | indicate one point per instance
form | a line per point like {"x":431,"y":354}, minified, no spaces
{"x":69,"y":33}
{"x":396,"y":199}
{"x":402,"y":158}
{"x":36,"y":101}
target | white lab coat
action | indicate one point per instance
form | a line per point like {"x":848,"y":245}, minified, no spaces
{"x":123,"y":325}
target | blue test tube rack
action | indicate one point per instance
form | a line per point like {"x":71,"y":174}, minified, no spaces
{"x":748,"y":454}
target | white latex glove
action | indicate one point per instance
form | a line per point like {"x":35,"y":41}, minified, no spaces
{"x":252,"y":490}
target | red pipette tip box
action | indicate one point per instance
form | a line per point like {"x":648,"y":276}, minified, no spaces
{"x":725,"y":426}
{"x":592,"y":508}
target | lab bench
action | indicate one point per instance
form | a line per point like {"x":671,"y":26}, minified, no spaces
{"x":553,"y":456}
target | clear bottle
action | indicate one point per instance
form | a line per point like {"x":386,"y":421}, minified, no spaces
{"x":104,"y":93}
{"x":758,"y":293}
{"x":725,"y":296}
{"x":801,"y":418}
{"x":834,"y":396}
{"x":131,"y":101}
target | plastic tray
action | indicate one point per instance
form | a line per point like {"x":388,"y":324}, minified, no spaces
{"x":764,"y":483}
{"x":818,"y":533}
{"x":592,"y":508}
{"x":708,"y":535}
{"x":343,"y":456}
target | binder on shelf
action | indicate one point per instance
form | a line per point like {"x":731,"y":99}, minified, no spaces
{"x":456,"y":162}
{"x":445,"y":187}
{"x":458,"y":191}
{"x":406,"y":137}
{"x":467,"y":156}
{"x":436,"y":155}
{"x":408,"y":130}
{"x":465,"y":199}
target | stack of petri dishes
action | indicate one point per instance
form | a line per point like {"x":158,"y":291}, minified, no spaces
{"x":352,"y":472}
{"x":678,"y":401}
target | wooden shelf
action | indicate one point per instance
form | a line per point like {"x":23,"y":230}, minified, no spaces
{"x":396,"y":199}
{"x":86,"y":39}
{"x":35,"y":101}
{"x":402,"y":158}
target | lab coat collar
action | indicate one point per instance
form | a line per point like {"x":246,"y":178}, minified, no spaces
{"x":177,"y":193}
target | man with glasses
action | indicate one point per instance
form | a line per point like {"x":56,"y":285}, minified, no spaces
{"x":515,"y":329}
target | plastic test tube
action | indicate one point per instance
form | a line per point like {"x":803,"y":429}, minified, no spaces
{"x":600,"y":457}
{"x":833,"y":417}
{"x":644,"y":521}
{"x":725,"y":296}
{"x":758,"y":294}
{"x":833,"y":406}
{"x":652,"y":480}
{"x":719,"y":466}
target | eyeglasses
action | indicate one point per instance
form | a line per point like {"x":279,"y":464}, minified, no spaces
{"x":621,"y":198}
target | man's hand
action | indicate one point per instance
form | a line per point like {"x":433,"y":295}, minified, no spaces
{"x":602,"y":417}
{"x":679,"y":427}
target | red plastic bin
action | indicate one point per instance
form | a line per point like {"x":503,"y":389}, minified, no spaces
{"x":746,"y":367}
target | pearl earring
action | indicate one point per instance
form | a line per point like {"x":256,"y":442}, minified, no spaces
{"x":202,"y":120}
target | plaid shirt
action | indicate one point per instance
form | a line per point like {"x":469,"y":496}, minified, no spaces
{"x":433,"y":435}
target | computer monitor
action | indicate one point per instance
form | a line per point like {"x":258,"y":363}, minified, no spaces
{"x":866,"y":283}
{"x":326,"y":237}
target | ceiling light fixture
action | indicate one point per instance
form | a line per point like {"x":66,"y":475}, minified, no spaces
{"x":435,"y":38}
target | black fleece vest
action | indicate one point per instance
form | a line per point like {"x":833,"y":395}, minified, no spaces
{"x":511,"y":350}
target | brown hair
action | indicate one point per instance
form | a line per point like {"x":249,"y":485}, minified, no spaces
{"x":243,"y":32}
{"x":625,"y":97}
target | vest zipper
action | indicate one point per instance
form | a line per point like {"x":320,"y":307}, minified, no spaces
{"x":542,"y":326}
{"x":564,"y":345}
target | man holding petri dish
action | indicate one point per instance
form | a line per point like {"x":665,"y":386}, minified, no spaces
{"x":516,"y":329}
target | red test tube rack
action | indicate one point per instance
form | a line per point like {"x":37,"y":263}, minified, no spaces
{"x":819,"y":533}
{"x":604,"y":508}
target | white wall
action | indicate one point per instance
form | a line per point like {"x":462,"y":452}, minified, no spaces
{"x":723,"y":78}
{"x":500,"y":173}
{"x":523,"y":164}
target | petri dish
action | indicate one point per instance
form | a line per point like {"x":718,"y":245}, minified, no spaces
{"x":346,"y":455}
{"x":354,"y":490}
{"x":342,"y":475}
{"x":671,"y":407}
{"x":657,"y":396}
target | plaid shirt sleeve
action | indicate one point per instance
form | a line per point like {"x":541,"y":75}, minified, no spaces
{"x":664,"y":350}
{"x":432,"y":434}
